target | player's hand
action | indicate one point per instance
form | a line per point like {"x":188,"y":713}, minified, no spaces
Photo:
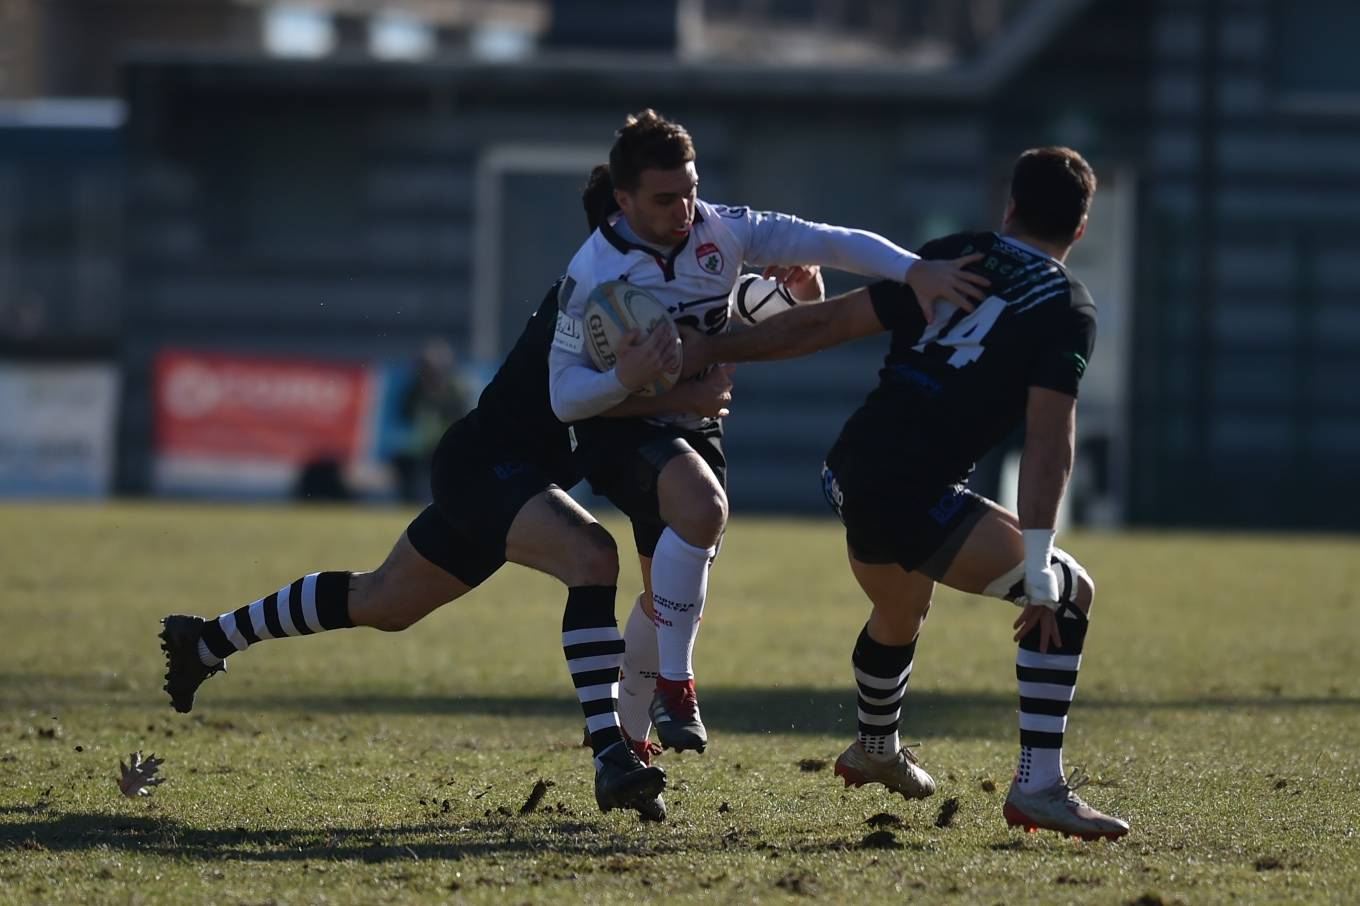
{"x":708,"y":396}
{"x":1047,"y":621}
{"x":947,"y":281}
{"x":804,"y":281}
{"x":643,"y":359}
{"x":1041,"y":607}
{"x":695,"y":347}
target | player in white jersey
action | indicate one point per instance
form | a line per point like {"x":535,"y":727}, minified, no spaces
{"x":667,"y":471}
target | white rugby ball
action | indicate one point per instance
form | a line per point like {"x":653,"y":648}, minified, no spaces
{"x":612,"y":310}
{"x":756,"y":298}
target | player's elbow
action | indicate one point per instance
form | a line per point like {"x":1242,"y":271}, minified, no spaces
{"x":564,"y":408}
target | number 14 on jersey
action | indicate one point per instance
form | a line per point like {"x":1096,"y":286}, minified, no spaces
{"x":964,"y":335}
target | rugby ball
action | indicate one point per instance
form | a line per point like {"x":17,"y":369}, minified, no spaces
{"x":756,"y":298}
{"x":612,"y":310}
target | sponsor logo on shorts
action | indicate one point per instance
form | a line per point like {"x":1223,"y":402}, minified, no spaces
{"x":509,"y":469}
{"x":710,"y":257}
{"x":948,"y":506}
{"x":832,"y":490}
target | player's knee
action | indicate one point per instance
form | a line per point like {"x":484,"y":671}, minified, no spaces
{"x":598,"y":560}
{"x":1086,"y":593}
{"x":702,"y":520}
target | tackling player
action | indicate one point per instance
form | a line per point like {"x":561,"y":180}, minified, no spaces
{"x":667,"y":471}
{"x":951,"y":389}
{"x":497,"y":479}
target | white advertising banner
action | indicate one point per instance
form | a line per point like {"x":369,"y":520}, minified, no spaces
{"x":57,"y":424}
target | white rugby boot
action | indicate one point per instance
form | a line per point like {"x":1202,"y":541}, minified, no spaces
{"x":901,"y":774}
{"x":1059,"y":808}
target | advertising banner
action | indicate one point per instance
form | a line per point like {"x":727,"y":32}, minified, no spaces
{"x":57,"y":429}
{"x":253,"y":424}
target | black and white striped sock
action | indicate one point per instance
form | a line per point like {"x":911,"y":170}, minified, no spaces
{"x":315,"y":603}
{"x":594,"y":650}
{"x":881,"y":672}
{"x":1047,"y":684}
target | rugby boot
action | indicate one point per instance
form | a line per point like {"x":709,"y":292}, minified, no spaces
{"x":675,"y":714}
{"x":184,"y":669}
{"x":622,"y":781}
{"x":901,"y":774}
{"x":1059,"y":808}
{"x":649,"y":809}
{"x":653,"y":809}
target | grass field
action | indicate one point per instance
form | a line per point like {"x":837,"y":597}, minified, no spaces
{"x":1219,"y":710}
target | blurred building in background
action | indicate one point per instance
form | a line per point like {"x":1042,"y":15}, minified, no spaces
{"x":281,"y":200}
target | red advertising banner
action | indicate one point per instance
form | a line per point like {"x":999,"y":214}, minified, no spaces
{"x":230,"y":407}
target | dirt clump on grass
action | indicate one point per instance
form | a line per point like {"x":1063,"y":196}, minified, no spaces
{"x":885,"y":819}
{"x":948,"y":809}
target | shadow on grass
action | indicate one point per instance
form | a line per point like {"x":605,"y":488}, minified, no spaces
{"x":447,"y":840}
{"x":779,"y":710}
{"x":785,"y":710}
{"x":791,"y":710}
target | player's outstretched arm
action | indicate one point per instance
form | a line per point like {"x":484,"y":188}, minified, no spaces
{"x":793,"y":333}
{"x":1045,"y":464}
{"x":780,"y":239}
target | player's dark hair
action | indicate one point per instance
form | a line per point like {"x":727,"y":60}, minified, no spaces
{"x":598,"y":197}
{"x":647,"y":141}
{"x":1052,"y":189}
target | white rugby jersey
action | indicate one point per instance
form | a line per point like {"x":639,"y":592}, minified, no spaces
{"x":694,"y":281}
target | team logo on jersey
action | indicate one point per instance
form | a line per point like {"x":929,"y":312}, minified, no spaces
{"x":710,"y":258}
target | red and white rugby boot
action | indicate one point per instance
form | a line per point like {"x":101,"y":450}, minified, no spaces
{"x":675,"y":714}
{"x":1059,"y":808}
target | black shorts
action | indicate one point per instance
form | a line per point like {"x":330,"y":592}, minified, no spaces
{"x":622,"y":458}
{"x":479,"y":487}
{"x":892,"y":518}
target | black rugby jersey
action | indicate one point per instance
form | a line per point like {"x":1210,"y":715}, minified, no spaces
{"x":514,"y":407}
{"x":951,"y":390}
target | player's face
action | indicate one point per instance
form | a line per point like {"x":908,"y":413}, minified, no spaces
{"x":662,"y":209}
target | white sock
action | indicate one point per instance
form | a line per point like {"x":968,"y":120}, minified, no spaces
{"x":679,"y":585}
{"x":1039,"y":769}
{"x":639,"y":672}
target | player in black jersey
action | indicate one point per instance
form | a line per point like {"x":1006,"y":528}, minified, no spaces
{"x":951,"y":388}
{"x":667,"y":472}
{"x":497,"y":479}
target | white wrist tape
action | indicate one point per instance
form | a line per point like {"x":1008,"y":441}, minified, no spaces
{"x":1038,"y":550}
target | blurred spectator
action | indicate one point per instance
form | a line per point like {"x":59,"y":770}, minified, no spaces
{"x":436,"y":398}
{"x":322,"y":480}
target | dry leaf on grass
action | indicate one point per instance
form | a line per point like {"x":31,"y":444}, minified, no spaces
{"x":139,"y":777}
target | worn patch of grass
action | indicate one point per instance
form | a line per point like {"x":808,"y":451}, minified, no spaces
{"x":1218,"y":709}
